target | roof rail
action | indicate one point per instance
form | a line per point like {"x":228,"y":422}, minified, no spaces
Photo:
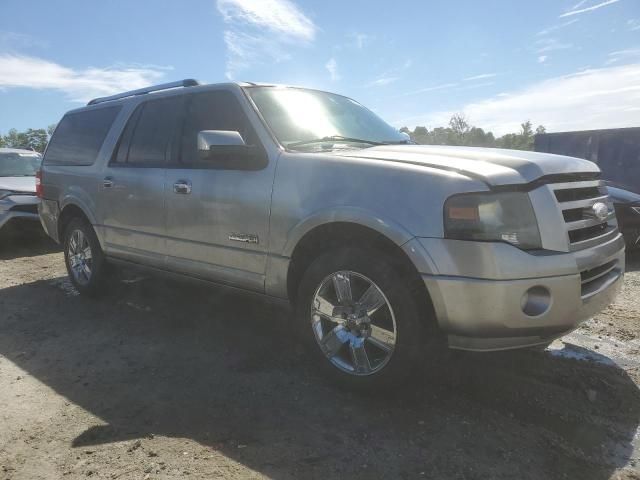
{"x":189,"y":82}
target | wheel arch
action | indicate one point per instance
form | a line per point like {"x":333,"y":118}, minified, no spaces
{"x":72,"y":209}
{"x":335,"y":234}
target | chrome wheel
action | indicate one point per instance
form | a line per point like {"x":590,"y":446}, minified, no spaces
{"x":80,"y":257}
{"x":353,"y":323}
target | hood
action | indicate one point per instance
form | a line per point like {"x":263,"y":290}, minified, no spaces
{"x":619,"y":195}
{"x":18,"y":184}
{"x":493,"y":166}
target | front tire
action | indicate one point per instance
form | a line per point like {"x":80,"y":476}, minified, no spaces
{"x":360,"y":320}
{"x":84,"y":258}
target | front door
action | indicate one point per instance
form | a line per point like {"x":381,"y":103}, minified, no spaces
{"x":218,"y":213}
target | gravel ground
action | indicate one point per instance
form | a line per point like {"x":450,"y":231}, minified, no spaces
{"x":161,"y":379}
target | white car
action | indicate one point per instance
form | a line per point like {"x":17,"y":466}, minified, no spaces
{"x":18,"y":201}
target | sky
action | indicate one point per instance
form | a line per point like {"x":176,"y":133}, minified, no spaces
{"x":566,"y":64}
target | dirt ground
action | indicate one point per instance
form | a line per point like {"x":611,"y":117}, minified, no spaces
{"x":161,"y":379}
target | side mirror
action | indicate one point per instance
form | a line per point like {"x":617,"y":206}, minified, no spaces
{"x":227,"y":150}
{"x":209,"y":139}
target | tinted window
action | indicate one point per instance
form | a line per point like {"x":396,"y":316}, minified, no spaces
{"x":153,"y":132}
{"x":79,"y":136}
{"x":213,"y":111}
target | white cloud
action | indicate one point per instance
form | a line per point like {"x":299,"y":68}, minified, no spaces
{"x":633,"y":24}
{"x":542,"y":58}
{"x":480,"y":77}
{"x":591,"y":99}
{"x":553,"y":28}
{"x":262,"y":30}
{"x":390,"y":76}
{"x":13,"y":40}
{"x":79,"y":84}
{"x":576,"y":10}
{"x":332,"y":68}
{"x":382,"y":81}
{"x":629,"y":54}
{"x":279,"y":16}
{"x":443,"y":86}
{"x":550,"y":45}
{"x":360,"y":39}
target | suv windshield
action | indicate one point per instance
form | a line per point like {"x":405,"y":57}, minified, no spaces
{"x":302,"y":118}
{"x":19,"y":164}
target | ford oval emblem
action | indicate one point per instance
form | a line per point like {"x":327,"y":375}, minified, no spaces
{"x":600,"y":210}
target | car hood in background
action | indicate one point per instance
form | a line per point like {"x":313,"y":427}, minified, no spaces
{"x":619,"y":195}
{"x":491,"y":165}
{"x":18,"y":184}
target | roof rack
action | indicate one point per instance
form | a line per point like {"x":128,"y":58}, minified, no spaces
{"x":189,"y":82}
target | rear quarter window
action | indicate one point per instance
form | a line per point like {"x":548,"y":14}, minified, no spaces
{"x":79,"y":136}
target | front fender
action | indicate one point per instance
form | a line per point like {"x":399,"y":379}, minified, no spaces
{"x":360,"y":216}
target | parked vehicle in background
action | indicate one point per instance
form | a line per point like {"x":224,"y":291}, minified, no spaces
{"x":615,"y":151}
{"x":627,"y":205}
{"x":18,"y":201}
{"x":388,"y":251}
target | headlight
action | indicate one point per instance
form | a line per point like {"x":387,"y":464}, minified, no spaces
{"x":5,"y":193}
{"x":495,"y":217}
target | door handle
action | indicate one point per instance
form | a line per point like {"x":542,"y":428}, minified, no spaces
{"x":182,"y":187}
{"x":107,"y":182}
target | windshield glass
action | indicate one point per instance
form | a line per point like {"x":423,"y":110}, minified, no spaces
{"x":299,"y":117}
{"x":19,"y":164}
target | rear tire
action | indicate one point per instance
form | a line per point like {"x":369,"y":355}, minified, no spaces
{"x":84,"y":258}
{"x":371,"y":339}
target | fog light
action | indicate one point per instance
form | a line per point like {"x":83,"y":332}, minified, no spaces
{"x":536,"y":301}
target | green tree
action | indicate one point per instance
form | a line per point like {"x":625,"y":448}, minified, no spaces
{"x":31,"y":139}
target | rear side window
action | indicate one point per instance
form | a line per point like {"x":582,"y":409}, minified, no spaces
{"x":79,"y":136}
{"x":149,"y":134}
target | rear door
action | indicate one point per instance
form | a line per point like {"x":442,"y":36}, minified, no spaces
{"x":217,"y":226}
{"x":133,"y":185}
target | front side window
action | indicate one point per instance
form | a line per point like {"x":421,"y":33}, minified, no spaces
{"x":216,"y":110}
{"x":14,"y":164}
{"x":310,"y":119}
{"x":79,"y":136}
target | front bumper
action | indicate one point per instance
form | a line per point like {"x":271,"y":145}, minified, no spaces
{"x":493,"y":296}
{"x":23,"y":207}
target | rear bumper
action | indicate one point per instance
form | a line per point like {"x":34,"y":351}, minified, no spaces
{"x":496,"y":297}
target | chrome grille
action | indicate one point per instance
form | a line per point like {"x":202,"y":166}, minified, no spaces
{"x":576,"y":200}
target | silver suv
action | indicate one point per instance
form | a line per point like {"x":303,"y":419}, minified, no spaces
{"x":387,"y":250}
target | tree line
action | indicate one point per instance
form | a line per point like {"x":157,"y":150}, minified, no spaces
{"x":30,"y":139}
{"x":461,"y":133}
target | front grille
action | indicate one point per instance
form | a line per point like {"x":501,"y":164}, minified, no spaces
{"x":593,"y":279}
{"x":576,"y":200}
{"x":25,"y":208}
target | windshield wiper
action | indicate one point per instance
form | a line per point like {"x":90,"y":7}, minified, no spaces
{"x":334,"y":138}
